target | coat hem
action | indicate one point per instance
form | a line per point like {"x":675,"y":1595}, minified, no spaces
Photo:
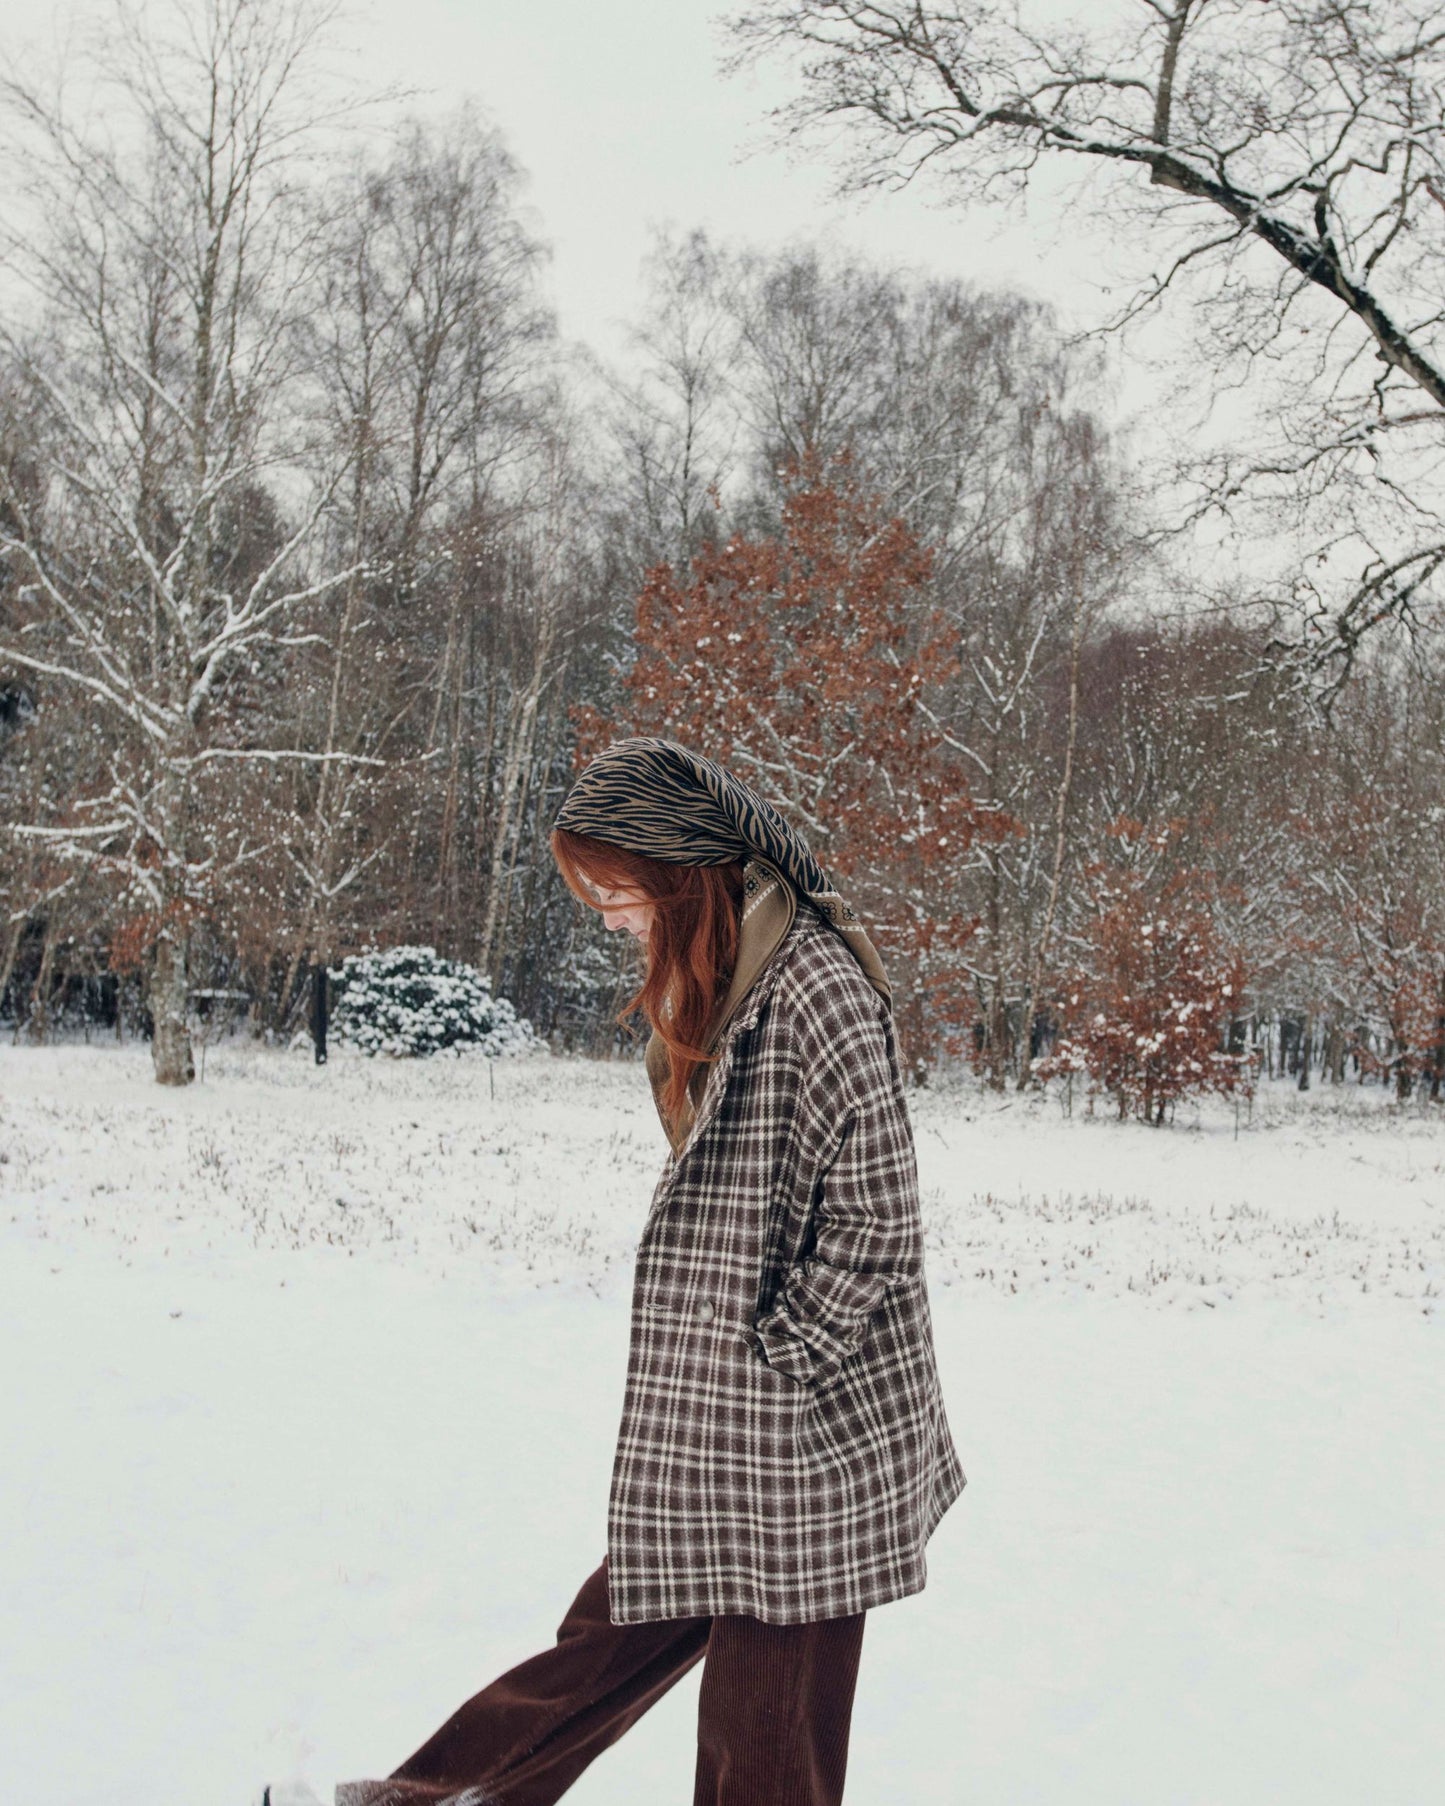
{"x":736,"y":1609}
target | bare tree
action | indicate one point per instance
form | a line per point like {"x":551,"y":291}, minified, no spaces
{"x":428,"y":346}
{"x":168,"y":256}
{"x":1284,"y":161}
{"x":674,"y":416}
{"x":1041,"y":569}
{"x":453,"y":268}
{"x":816,"y":334}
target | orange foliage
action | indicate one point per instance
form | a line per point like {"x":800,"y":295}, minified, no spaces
{"x":135,"y":935}
{"x":805,"y":663}
{"x":1145,"y":1013}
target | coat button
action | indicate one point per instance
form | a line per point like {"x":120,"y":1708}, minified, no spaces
{"x":706,"y":1310}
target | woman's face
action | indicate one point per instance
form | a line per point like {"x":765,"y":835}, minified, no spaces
{"x":627,"y":909}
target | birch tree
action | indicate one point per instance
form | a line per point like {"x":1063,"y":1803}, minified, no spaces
{"x":429,"y":345}
{"x":167,"y":256}
{"x":674,"y":418}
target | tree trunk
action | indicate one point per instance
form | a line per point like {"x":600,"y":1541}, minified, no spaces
{"x":996,"y":1018}
{"x":1335,"y":1049}
{"x":39,"y":1013}
{"x":912,"y":1042}
{"x":171,"y":1040}
{"x":521,"y":737}
{"x":1061,"y":811}
{"x":7,"y":964}
{"x":291,"y":987}
{"x":1437,"y":1053}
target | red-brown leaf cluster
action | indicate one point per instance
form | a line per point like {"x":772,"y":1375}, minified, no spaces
{"x":805,"y":661}
{"x":1145,"y":1012}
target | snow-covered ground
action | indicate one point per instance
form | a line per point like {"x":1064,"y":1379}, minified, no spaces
{"x":311,"y":1379}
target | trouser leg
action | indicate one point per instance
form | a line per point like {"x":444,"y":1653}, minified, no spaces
{"x":774,"y":1711}
{"x":525,"y":1738}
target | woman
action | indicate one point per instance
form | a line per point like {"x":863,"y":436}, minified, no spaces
{"x":783,"y":1454}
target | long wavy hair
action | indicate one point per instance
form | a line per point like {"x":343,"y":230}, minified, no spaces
{"x":692,"y":945}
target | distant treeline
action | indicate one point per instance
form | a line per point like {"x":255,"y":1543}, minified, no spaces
{"x":322,"y":558}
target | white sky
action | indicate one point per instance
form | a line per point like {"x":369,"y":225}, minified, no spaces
{"x":623,"y":122}
{"x":621,"y":117}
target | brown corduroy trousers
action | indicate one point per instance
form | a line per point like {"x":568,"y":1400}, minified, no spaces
{"x":772,"y":1724}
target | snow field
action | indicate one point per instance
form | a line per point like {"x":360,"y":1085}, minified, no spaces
{"x":312,"y":1381}
{"x":541,"y":1168}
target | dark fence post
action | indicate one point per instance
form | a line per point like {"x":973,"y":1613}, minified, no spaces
{"x":320,"y":1011}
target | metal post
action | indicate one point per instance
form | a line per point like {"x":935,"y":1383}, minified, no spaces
{"x":320,"y":1011}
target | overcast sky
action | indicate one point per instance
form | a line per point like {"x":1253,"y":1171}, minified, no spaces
{"x":622,"y":119}
{"x":623,"y":122}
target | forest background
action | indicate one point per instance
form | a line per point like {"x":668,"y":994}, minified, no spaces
{"x":324,"y":557}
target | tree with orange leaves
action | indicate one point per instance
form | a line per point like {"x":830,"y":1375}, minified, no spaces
{"x":801,"y":661}
{"x":1146,"y":1012}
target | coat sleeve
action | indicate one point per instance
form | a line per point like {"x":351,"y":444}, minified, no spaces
{"x":865,"y":1215}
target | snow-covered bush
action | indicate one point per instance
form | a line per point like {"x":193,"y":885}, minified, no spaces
{"x":1147,"y":1013}
{"x":409,"y":1001}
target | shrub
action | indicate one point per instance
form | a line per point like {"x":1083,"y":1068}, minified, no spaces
{"x":1146,"y":1017}
{"x":408,"y":1001}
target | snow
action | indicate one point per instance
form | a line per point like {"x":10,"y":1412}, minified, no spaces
{"x":313,"y":1376}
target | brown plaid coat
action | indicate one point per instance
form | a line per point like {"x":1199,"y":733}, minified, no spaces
{"x":783,"y":1450}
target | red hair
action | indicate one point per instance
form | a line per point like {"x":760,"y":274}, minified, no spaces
{"x":692,"y":945}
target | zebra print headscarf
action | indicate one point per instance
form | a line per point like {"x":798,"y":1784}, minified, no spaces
{"x":654,"y":797}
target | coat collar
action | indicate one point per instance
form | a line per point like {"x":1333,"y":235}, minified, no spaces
{"x":770,"y":906}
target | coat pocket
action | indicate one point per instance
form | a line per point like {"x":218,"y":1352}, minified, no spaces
{"x":704,"y":1314}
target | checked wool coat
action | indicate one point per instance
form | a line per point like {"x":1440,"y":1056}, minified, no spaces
{"x":783,"y":1450}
